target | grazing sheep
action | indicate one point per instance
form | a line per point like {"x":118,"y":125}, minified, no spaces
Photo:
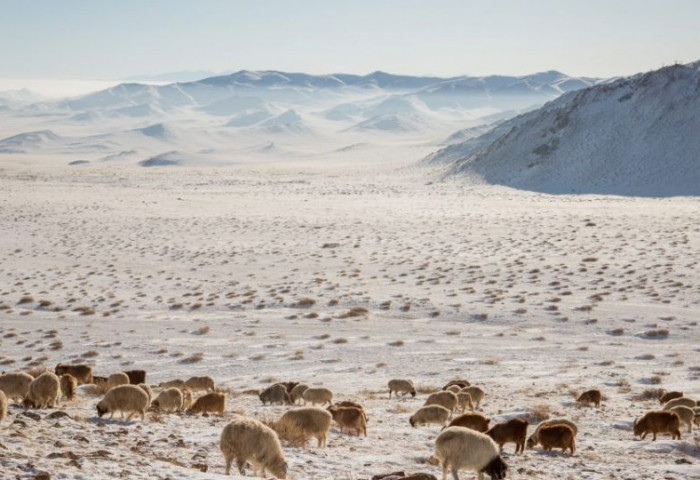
{"x":514,"y":430}
{"x":465,"y":401}
{"x":454,"y":389}
{"x":445,"y":398}
{"x":472,"y":421}
{"x":276,"y":393}
{"x":177,"y":383}
{"x":200,"y":383}
{"x":297,"y":392}
{"x":124,"y":398}
{"x":686,"y":416}
{"x":590,"y":396}
{"x":136,"y":377}
{"x":169,"y":400}
{"x":684,"y":401}
{"x":68,"y":385}
{"x":348,"y":403}
{"x":431,"y":414}
{"x":557,"y":436}
{"x":288,"y":386}
{"x":658,"y":422}
{"x":247,"y":440}
{"x":476,"y":393}
{"x":301,"y":424}
{"x":3,"y":406}
{"x":116,"y":379}
{"x":214,"y":402}
{"x":352,"y":418}
{"x":459,"y":448}
{"x":461,"y":383}
{"x":15,"y":385}
{"x":401,"y":386}
{"x":317,"y":395}
{"x":82,"y":373}
{"x":534,"y":438}
{"x":44,"y":391}
{"x":146,"y":388}
{"x":667,"y":396}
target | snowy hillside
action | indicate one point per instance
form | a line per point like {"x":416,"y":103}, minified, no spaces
{"x":632,"y":136}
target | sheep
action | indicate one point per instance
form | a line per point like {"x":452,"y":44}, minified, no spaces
{"x":459,"y":448}
{"x":3,"y":406}
{"x":534,"y":438}
{"x":68,"y":385}
{"x":169,"y":400}
{"x":301,"y":424}
{"x":666,"y":396}
{"x":288,"y":386}
{"x":15,"y":386}
{"x":658,"y":422}
{"x":696,"y":411}
{"x":476,"y":393}
{"x":146,"y":388}
{"x":136,"y":377}
{"x":200,"y":383}
{"x":247,"y":440}
{"x":116,"y":379}
{"x":431,"y":414}
{"x":686,"y":416}
{"x":348,"y":403}
{"x":514,"y":430}
{"x":464,"y":400}
{"x":187,"y":399}
{"x":276,"y":393}
{"x":473,"y":421}
{"x":317,"y":395}
{"x":454,"y":389}
{"x":124,"y":398}
{"x":557,"y":436}
{"x":590,"y":396}
{"x":684,"y":401}
{"x":461,"y":383}
{"x":44,"y":391}
{"x":352,"y":418}
{"x":177,"y":383}
{"x":445,"y":398}
{"x":82,"y":373}
{"x":297,"y":392}
{"x":401,"y":386}
{"x":213,"y":402}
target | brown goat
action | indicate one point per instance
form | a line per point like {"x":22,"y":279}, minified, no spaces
{"x":514,"y":430}
{"x":210,"y":403}
{"x":667,"y":396}
{"x":136,"y":376}
{"x":474,"y":421}
{"x":590,"y":396}
{"x":82,"y":373}
{"x":558,"y":436}
{"x":352,"y":418}
{"x":461,"y":383}
{"x":658,"y":422}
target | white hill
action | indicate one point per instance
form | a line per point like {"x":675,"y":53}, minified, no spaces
{"x":633,"y":136}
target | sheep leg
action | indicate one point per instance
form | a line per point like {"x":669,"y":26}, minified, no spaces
{"x":241,"y":465}
{"x":390,"y":393}
{"x":229,"y":460}
{"x":644,"y":435}
{"x":455,"y":474}
{"x":444,"y":471}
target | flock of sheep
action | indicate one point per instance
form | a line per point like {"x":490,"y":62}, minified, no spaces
{"x":467,"y":442}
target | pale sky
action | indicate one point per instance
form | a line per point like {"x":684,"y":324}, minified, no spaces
{"x":100,"y":39}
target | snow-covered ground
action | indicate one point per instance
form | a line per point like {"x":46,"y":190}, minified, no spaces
{"x":532,"y":297}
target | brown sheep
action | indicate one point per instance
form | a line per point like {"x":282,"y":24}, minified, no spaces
{"x":288,"y":386}
{"x":82,"y":373}
{"x":351,"y":418}
{"x":558,"y":436}
{"x":461,"y":383}
{"x":445,"y":398}
{"x":473,"y":421}
{"x":658,"y":422}
{"x":514,"y":430}
{"x":136,"y":376}
{"x":68,"y":385}
{"x":348,"y":403}
{"x":590,"y":396}
{"x":667,"y":396}
{"x":210,"y":403}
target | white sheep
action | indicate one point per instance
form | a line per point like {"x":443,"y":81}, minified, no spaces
{"x":247,"y":440}
{"x":459,"y":448}
{"x":169,"y":400}
{"x":3,"y":406}
{"x":44,"y":391}
{"x":124,"y":398}
{"x":116,"y":379}
{"x":476,"y":393}
{"x":301,"y":424}
{"x":684,"y":401}
{"x":402,"y":386}
{"x":534,"y":439}
{"x":15,"y":386}
{"x":445,"y":398}
{"x":200,"y":383}
{"x":317,"y":395}
{"x":686,"y":416}
{"x":430,"y":414}
{"x":297,"y":392}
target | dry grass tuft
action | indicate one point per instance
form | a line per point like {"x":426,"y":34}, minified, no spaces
{"x":197,"y":357}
